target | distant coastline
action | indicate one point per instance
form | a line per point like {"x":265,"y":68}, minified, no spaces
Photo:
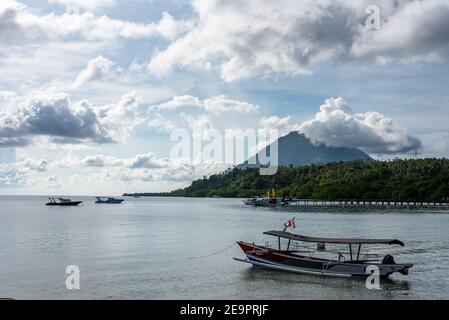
{"x":401,"y":180}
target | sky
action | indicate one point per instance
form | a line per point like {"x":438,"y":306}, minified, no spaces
{"x":92,"y":91}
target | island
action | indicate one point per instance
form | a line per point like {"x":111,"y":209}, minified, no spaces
{"x":398,"y":179}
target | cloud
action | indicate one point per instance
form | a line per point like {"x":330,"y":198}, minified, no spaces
{"x":36,"y":165}
{"x":148,"y":161}
{"x":53,"y":181}
{"x":5,"y":96}
{"x":68,"y":162}
{"x":220,"y":104}
{"x":94,"y":161}
{"x":26,"y":173}
{"x":55,"y":115}
{"x":205,"y":115}
{"x":170,"y":29}
{"x":337,"y":125}
{"x":19,"y":174}
{"x":52,"y":178}
{"x":160,"y":123}
{"x":96,"y":69}
{"x":415,"y":30}
{"x":275,"y":122}
{"x":202,"y":122}
{"x":11,"y":178}
{"x":148,"y":167}
{"x":13,"y":142}
{"x":179,"y":102}
{"x":89,"y":5}
{"x":101,"y":161}
{"x":31,"y":66}
{"x":100,"y":169}
{"x":52,"y":114}
{"x":140,"y":161}
{"x":20,"y":23}
{"x":10,"y":29}
{"x":142,"y":167}
{"x":436,"y":144}
{"x":243,"y":38}
{"x":121,"y":119}
{"x":214,"y":105}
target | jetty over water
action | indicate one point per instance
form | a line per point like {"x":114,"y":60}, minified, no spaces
{"x":377,"y":204}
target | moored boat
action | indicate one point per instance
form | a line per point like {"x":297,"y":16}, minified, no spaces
{"x":250,"y":201}
{"x":300,"y":259}
{"x":62,"y":202}
{"x":269,"y":201}
{"x":108,"y":200}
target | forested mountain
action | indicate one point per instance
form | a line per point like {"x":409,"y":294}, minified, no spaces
{"x":297,"y":150}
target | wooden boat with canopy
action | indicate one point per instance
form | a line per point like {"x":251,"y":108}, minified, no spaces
{"x":293,"y":258}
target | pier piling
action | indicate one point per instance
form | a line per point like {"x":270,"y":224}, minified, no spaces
{"x":367,"y":203}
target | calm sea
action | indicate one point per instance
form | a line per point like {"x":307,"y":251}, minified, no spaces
{"x":157,"y":248}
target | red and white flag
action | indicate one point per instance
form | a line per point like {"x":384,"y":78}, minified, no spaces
{"x":291,"y":223}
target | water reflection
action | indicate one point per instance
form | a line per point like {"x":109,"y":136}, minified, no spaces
{"x":287,"y":284}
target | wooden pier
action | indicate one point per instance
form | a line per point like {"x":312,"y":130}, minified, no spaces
{"x":375,"y":204}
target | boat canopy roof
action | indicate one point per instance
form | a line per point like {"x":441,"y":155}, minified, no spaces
{"x":296,"y":237}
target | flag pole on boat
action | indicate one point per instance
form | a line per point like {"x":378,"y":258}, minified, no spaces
{"x":290,"y":224}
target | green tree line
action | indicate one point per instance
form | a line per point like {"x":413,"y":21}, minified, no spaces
{"x":402,"y":180}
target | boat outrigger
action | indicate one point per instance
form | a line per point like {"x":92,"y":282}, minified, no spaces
{"x":62,"y":202}
{"x":294,"y":258}
{"x":108,"y":200}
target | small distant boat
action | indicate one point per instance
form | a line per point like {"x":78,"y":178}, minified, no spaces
{"x":108,"y":200}
{"x":251,"y":201}
{"x":269,"y":201}
{"x":62,"y":202}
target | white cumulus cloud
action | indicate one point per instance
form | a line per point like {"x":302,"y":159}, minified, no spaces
{"x":337,"y":125}
{"x":213,"y":105}
{"x":54,"y":115}
{"x":148,"y":167}
{"x":20,"y":23}
{"x":275,"y":122}
{"x":86,"y":4}
{"x":36,"y":165}
{"x":11,"y":178}
{"x":244,"y":38}
{"x":96,"y":69}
